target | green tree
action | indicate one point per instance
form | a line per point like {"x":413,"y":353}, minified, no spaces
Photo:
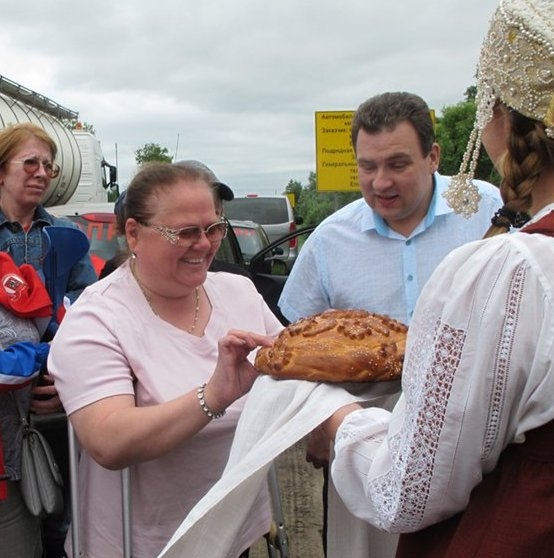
{"x":313,"y":206}
{"x":471,"y":93}
{"x":294,"y":187}
{"x":453,"y":129}
{"x":152,"y":153}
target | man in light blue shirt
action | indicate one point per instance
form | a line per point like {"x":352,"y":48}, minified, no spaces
{"x":377,"y":252}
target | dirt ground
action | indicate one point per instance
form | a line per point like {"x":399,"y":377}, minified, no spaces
{"x":300,"y":488}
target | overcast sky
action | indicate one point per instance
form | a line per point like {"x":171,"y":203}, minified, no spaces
{"x":236,"y":83}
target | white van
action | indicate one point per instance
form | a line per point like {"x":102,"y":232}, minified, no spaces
{"x":274,"y":213}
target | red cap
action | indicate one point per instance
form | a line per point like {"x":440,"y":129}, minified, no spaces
{"x":22,"y":291}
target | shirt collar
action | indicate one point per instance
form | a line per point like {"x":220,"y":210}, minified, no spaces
{"x":41,"y":215}
{"x":441,"y":185}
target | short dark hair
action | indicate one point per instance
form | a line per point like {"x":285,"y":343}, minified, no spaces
{"x":385,"y":111}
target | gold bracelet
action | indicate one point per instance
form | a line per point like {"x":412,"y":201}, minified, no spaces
{"x":204,"y":407}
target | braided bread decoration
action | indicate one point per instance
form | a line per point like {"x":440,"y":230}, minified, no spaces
{"x":337,"y":346}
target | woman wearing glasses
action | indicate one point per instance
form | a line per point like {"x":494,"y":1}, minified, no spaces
{"x":152,"y":364}
{"x":27,"y":166}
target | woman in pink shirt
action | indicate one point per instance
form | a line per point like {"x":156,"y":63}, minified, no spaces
{"x":152,"y":364}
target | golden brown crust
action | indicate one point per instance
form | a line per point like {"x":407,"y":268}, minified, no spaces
{"x":337,"y":346}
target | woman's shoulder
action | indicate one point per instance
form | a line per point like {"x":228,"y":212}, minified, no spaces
{"x":517,"y":246}
{"x":502,"y":256}
{"x":113,"y":288}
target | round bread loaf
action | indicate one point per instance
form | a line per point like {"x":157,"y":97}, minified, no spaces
{"x":337,"y":346}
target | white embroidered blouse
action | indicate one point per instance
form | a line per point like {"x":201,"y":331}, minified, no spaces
{"x":478,"y":374}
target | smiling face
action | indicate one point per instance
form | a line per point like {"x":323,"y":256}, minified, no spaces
{"x":396,"y":178}
{"x":21,"y":192}
{"x":167,"y":269}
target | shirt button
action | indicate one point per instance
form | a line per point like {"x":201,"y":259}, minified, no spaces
{"x":410,"y":277}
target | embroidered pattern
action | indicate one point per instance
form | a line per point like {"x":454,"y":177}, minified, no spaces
{"x":502,"y":359}
{"x":403,"y":492}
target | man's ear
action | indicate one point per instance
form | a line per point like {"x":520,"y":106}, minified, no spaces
{"x":434,"y":157}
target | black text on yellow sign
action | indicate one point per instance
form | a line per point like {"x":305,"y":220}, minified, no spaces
{"x":335,"y":160}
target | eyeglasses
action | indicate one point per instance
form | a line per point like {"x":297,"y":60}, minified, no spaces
{"x":187,"y":236}
{"x":32,"y":164}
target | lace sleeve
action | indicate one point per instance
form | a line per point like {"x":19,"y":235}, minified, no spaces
{"x":467,"y":373}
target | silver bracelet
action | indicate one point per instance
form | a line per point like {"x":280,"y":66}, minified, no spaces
{"x":204,"y":407}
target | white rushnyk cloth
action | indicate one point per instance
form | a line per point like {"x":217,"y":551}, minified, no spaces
{"x":278,"y":413}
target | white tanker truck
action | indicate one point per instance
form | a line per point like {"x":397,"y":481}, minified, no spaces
{"x":85,"y":175}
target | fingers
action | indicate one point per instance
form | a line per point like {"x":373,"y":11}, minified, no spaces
{"x":317,"y":451}
{"x":45,"y":396}
{"x":247,"y":339}
{"x":48,"y":406}
{"x":234,"y":373}
{"x":45,"y":388}
{"x":316,"y":462}
{"x":46,"y":379}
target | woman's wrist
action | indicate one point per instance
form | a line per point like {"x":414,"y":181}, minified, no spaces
{"x":333,"y":423}
{"x":211,"y":412}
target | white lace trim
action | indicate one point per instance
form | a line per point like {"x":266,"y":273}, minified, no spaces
{"x":502,"y":360}
{"x":401,"y":495}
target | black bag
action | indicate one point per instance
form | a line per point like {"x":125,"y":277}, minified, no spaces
{"x":41,"y":481}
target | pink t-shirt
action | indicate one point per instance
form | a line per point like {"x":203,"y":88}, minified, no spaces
{"x":111,"y":343}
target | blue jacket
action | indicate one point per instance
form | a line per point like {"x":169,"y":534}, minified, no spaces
{"x":26,"y":247}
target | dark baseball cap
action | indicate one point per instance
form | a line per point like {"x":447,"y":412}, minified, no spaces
{"x":225,"y":193}
{"x":119,"y":206}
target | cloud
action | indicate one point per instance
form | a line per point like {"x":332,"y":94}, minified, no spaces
{"x":236,"y":84}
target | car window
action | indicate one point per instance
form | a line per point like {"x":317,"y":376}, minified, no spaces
{"x":266,"y":211}
{"x":271,"y":284}
{"x":229,"y":251}
{"x":249,"y":240}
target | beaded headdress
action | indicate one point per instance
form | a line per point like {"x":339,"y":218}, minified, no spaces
{"x":516,"y":66}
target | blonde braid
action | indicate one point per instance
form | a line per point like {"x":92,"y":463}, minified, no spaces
{"x":529,"y":152}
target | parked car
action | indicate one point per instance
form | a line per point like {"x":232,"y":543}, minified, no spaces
{"x":274,"y":213}
{"x":270,"y":285}
{"x":97,"y":221}
{"x":252,"y":238}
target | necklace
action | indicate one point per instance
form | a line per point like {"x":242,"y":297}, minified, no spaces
{"x":143,"y":290}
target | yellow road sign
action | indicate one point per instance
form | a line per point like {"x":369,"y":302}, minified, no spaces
{"x":335,"y":161}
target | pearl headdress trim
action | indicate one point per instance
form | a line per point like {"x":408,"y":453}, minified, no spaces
{"x":516,"y":66}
